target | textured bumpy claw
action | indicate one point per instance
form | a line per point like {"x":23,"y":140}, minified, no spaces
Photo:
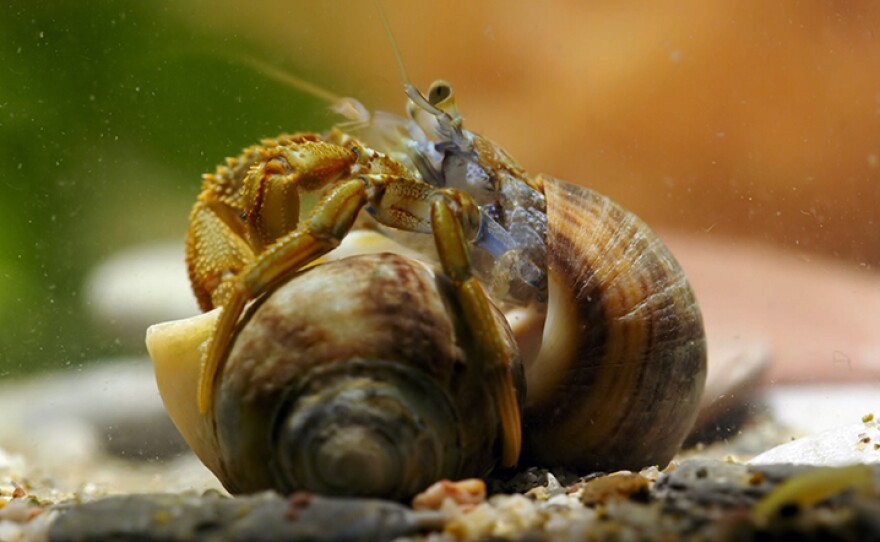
{"x":320,"y":234}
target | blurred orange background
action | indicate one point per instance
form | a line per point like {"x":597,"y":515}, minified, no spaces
{"x":756,"y":120}
{"x":747,"y":133}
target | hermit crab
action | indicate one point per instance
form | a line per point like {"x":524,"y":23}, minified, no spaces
{"x":607,"y":327}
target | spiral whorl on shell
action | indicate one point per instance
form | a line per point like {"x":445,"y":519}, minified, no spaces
{"x":623,"y":359}
{"x":364,"y":427}
{"x":354,"y":378}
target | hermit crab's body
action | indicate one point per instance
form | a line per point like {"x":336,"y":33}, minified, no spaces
{"x":606,"y":324}
{"x":609,"y":328}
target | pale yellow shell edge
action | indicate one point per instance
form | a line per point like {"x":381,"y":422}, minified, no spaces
{"x":360,"y":242}
{"x":176,"y":349}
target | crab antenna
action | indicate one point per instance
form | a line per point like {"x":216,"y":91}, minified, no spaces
{"x":451,"y":125}
{"x":403,"y":75}
{"x":411,"y":91}
{"x":289,"y":79}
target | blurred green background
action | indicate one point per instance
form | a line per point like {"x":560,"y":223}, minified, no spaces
{"x":109,"y":114}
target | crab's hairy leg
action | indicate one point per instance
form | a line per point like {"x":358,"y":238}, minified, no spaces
{"x":275,"y":210}
{"x":271,"y":190}
{"x":489,"y":339}
{"x":249,"y":203}
{"x":329,"y":222}
{"x":215,"y":252}
{"x":454,"y":218}
{"x":401,"y":202}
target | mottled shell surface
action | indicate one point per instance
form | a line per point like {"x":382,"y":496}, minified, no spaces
{"x":622,"y":362}
{"x":355,"y":377}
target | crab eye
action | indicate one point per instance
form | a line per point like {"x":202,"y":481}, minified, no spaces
{"x":439,"y":92}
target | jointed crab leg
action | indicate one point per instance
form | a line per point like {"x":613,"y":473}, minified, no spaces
{"x":321,"y":233}
{"x":488,"y":337}
{"x":247,"y":205}
{"x":270,"y":191}
{"x":216,"y":252}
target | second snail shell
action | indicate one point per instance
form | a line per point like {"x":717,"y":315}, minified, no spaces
{"x":618,"y":376}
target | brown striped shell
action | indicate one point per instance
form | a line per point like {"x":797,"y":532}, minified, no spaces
{"x":609,"y":329}
{"x":622,"y":362}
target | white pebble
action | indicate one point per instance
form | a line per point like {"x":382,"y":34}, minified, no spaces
{"x":832,"y":448}
{"x":10,"y":531}
{"x":18,"y":510}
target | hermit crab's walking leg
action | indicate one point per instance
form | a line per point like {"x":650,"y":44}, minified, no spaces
{"x":215,"y":252}
{"x":219,"y":245}
{"x":321,"y":233}
{"x":481,"y":320}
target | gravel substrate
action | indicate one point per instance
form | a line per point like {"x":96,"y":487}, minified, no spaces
{"x":697,"y":499}
{"x":106,"y":480}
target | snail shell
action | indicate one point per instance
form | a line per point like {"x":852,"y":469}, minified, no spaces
{"x":609,"y":329}
{"x":617,"y":378}
{"x":355,"y":377}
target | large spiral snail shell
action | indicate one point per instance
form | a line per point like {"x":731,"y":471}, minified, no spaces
{"x":621,"y":366}
{"x":355,"y":377}
{"x":610,"y":331}
{"x":609,"y":328}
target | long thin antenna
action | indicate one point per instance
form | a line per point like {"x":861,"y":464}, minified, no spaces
{"x":394,"y":47}
{"x":288,"y":79}
{"x":411,"y":91}
{"x":447,"y":124}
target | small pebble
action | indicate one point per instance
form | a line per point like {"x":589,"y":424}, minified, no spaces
{"x":17,"y":511}
{"x":622,"y":485}
{"x":464,"y":493}
{"x":10,"y":531}
{"x":835,"y":447}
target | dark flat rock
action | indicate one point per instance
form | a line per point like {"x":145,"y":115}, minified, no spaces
{"x":261,"y":518}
